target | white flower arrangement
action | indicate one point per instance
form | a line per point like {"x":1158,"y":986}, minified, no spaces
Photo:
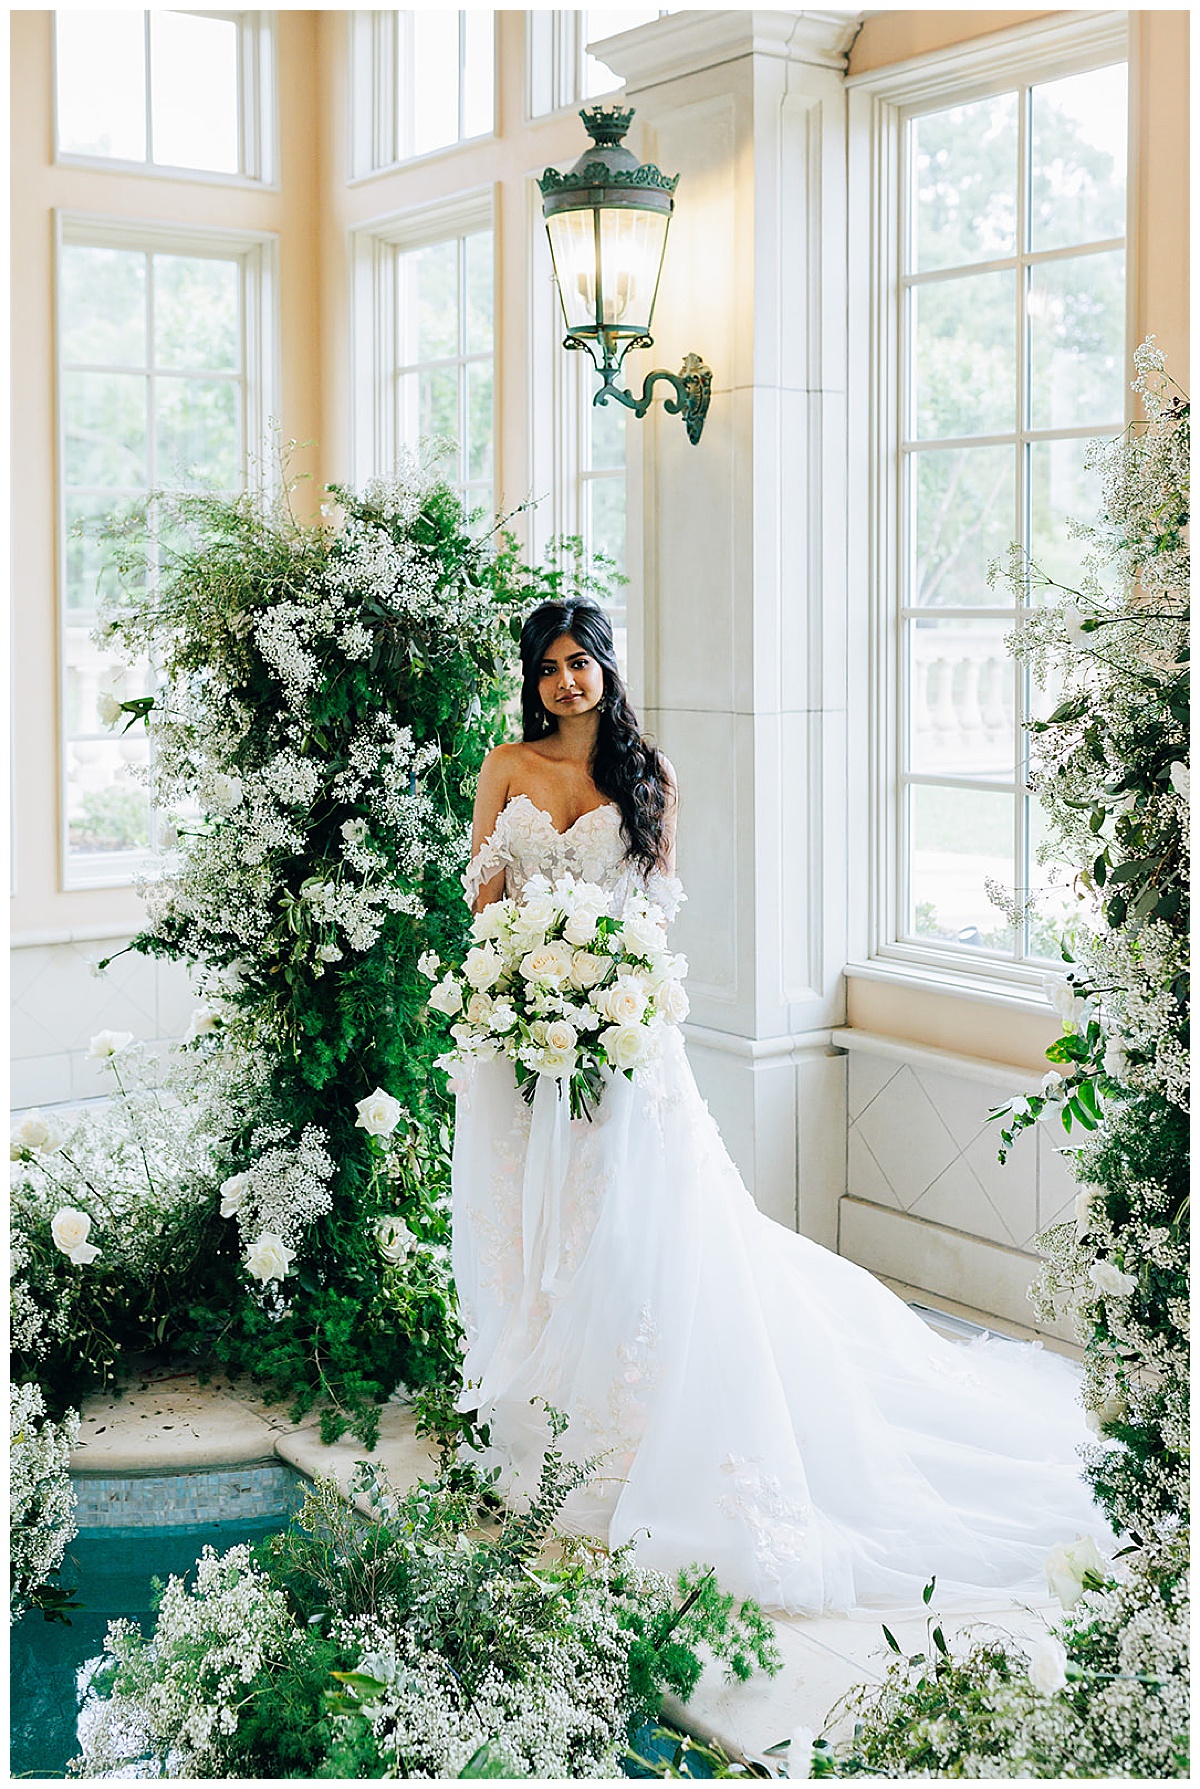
{"x":563,"y":989}
{"x":41,"y":1501}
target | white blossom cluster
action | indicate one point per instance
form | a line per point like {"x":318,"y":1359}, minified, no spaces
{"x":1104,"y":1693}
{"x":41,"y":1501}
{"x":287,"y":1186}
{"x":565,"y":1716}
{"x":111,"y":1190}
{"x":176,"y":1698}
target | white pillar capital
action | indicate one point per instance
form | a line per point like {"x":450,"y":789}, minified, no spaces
{"x":684,"y":43}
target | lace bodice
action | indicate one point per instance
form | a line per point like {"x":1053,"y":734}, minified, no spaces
{"x":525,"y":842}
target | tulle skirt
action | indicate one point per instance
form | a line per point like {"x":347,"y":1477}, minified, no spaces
{"x":752,"y":1401}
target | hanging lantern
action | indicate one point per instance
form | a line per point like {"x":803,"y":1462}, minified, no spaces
{"x":607,"y":221}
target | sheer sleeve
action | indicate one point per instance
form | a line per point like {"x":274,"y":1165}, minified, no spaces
{"x":487,"y":862}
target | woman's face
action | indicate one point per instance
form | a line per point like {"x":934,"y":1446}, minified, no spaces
{"x":570,"y":680}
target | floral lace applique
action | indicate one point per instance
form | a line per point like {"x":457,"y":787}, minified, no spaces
{"x":616,"y":1432}
{"x":779,"y":1525}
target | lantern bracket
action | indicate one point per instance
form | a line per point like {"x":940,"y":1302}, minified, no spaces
{"x":692,"y":384}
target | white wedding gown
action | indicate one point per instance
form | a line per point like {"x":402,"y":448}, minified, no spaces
{"x":761,"y":1405}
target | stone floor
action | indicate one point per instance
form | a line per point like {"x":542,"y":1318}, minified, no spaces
{"x":170,"y":1420}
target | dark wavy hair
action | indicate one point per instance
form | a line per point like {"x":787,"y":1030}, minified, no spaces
{"x":625,"y":767}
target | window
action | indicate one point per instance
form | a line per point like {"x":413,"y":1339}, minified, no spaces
{"x":444,"y":374}
{"x":561,"y":73}
{"x":423,"y":332}
{"x":421,"y":81}
{"x":162,"y":364}
{"x":998,"y":260}
{"x":174,"y":90}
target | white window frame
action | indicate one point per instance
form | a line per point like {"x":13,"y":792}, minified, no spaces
{"x":374,"y":325}
{"x":373,"y":111}
{"x":258,"y":131}
{"x":556,"y":49}
{"x":879,"y":102}
{"x":257,"y":253}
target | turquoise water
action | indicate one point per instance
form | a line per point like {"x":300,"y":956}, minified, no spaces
{"x":110,"y":1570}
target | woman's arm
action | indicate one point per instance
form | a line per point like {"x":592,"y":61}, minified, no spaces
{"x":491,"y":793}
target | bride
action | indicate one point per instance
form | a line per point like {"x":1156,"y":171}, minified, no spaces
{"x":755,"y":1401}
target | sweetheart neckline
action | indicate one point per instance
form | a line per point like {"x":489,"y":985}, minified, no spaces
{"x":605,"y":807}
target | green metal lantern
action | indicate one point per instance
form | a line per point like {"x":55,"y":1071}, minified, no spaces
{"x":607,"y":221}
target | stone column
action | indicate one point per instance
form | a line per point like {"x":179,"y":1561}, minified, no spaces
{"x":738,"y":568}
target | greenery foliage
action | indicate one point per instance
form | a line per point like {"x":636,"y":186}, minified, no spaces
{"x":327,"y":693}
{"x":401,"y":1640}
{"x":1105,"y":1693}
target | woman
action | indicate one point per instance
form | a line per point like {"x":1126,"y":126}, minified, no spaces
{"x":755,"y":1401}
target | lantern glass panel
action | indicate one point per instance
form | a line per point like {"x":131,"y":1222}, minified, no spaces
{"x":573,"y":246}
{"x":631,"y":252}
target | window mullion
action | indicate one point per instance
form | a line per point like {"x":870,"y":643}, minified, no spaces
{"x":149,"y":90}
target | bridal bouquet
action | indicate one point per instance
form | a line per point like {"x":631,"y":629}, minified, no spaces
{"x":562,"y":988}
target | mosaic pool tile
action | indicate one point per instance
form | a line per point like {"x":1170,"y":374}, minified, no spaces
{"x":184,"y":1499}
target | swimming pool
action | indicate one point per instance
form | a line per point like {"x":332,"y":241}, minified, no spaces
{"x":131,"y":1530}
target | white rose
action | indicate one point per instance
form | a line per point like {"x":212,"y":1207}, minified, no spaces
{"x":378,"y":1113}
{"x":672,"y":1002}
{"x":329,"y":953}
{"x":355,"y":831}
{"x":36,"y":1134}
{"x":109,"y":710}
{"x":537,"y":912}
{"x":1084,"y":1200}
{"x":1116,"y":1062}
{"x":548,"y":963}
{"x":394,"y":1238}
{"x":107,"y":1043}
{"x":479,"y":1010}
{"x":483,"y":967}
{"x":642,"y":936}
{"x":69,"y":1230}
{"x":559,"y":1063}
{"x":1068,"y":1564}
{"x":1107,"y":1278}
{"x":233,"y":1194}
{"x":429,"y":964}
{"x":626,"y":1046}
{"x":226,"y":792}
{"x":1072,"y":620}
{"x":490,"y":920}
{"x":587,"y":968}
{"x":800,"y":1753}
{"x":1062,"y":996}
{"x":1048,"y":1666}
{"x":623,"y":1003}
{"x":561,"y":1037}
{"x":1181,"y":780}
{"x":581,"y":925}
{"x":1109,"y":1410}
{"x":268,"y":1259}
{"x":205,"y":1020}
{"x":447,"y":996}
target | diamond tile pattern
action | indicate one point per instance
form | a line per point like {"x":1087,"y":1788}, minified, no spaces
{"x":920,"y":1142}
{"x":58,"y":1005}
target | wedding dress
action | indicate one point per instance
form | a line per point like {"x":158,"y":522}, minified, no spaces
{"x":758,"y":1403}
